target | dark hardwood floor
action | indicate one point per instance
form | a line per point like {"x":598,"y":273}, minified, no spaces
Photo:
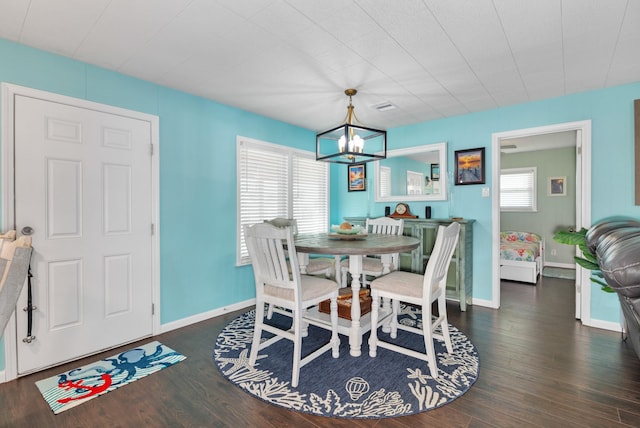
{"x":539,"y":367}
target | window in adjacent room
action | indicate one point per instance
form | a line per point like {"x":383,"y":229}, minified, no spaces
{"x":279,"y":181}
{"x":518,"y":189}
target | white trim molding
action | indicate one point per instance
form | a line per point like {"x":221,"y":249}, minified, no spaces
{"x":184,"y":322}
{"x":583,"y":207}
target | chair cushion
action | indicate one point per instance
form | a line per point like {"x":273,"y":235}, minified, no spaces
{"x":312,"y":287}
{"x":400,"y":282}
{"x":319,"y":265}
{"x":316,"y":266}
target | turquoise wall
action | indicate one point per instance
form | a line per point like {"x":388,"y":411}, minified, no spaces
{"x":197,"y":173}
{"x":197,"y":170}
{"x":611,"y":113}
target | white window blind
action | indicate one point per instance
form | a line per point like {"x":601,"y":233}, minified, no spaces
{"x":518,"y":189}
{"x":310,"y":196}
{"x":385,"y":181}
{"x":278,"y":181}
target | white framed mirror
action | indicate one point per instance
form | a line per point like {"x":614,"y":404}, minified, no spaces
{"x":412,"y":174}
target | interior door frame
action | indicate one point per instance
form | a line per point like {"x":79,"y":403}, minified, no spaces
{"x":583,"y":204}
{"x":7,"y":216}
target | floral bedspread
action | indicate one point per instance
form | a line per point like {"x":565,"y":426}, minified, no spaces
{"x":521,"y":246}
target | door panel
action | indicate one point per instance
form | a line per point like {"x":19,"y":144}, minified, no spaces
{"x":64,"y":199}
{"x":83,"y":183}
{"x":65,"y":294}
{"x":118,"y":287}
{"x":117,"y":199}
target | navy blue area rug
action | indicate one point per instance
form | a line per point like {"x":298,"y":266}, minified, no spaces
{"x":389,"y":385}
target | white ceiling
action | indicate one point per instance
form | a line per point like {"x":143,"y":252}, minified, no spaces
{"x":292,"y":59}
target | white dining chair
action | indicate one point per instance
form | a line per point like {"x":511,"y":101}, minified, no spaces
{"x":372,"y":265}
{"x":316,"y":266}
{"x":422,"y":291}
{"x":279,"y":283}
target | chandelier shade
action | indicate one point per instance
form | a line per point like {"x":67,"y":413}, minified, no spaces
{"x":351,"y":143}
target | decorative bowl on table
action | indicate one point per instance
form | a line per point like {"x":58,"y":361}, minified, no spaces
{"x":340,"y":232}
{"x":353,"y":230}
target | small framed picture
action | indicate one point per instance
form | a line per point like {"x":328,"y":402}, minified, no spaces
{"x":557,"y":186}
{"x":435,"y":171}
{"x":357,"y":177}
{"x":469,"y":166}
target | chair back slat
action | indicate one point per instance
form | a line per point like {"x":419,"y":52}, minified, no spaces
{"x":385,"y":225}
{"x":435,"y":275}
{"x":270,"y":259}
{"x":284,"y":222}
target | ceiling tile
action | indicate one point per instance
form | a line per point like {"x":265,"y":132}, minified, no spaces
{"x":590,"y":29}
{"x":625,"y":66}
{"x":125,"y":28}
{"x":12,"y":18}
{"x":66,"y":22}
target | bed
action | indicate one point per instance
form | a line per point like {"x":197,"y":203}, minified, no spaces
{"x":521,"y":256}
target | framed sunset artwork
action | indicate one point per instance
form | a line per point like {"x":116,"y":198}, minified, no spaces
{"x":469,"y":166}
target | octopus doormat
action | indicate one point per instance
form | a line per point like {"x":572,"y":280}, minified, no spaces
{"x":77,"y":386}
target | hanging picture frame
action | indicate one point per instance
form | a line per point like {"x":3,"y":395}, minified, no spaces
{"x":557,"y":186}
{"x":469,"y":166}
{"x":357,"y":177}
{"x":435,"y":171}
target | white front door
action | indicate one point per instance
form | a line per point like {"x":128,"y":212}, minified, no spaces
{"x":83,"y":184}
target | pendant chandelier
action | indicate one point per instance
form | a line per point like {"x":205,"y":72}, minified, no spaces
{"x":351,"y":143}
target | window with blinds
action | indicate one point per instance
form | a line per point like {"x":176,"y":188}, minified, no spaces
{"x":385,"y":181}
{"x":518,"y":189}
{"x":278,"y":181}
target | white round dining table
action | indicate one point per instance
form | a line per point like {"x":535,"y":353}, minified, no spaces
{"x":353,"y":246}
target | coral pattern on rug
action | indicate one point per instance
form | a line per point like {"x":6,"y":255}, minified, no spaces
{"x":388,"y":385}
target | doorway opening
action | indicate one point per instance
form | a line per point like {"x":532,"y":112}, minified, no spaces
{"x":582,"y":178}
